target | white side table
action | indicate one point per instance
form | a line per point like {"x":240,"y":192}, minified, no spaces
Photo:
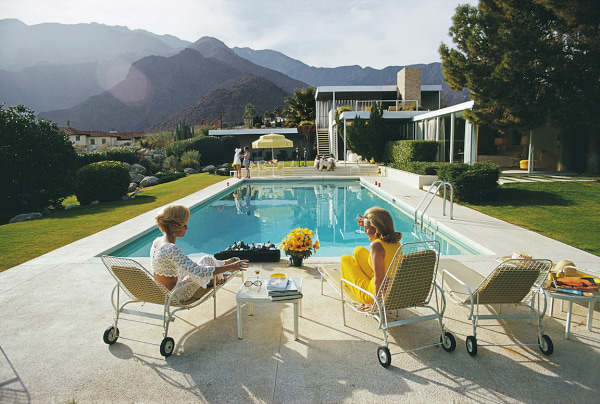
{"x":253,"y":295}
{"x":570,"y":299}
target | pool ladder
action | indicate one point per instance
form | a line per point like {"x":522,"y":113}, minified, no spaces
{"x":437,"y":185}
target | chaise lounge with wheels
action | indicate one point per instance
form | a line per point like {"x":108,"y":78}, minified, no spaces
{"x":138,"y":285}
{"x":409,"y":283}
{"x":515,"y":282}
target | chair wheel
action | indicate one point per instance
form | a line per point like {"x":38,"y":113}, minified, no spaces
{"x":384,"y":356}
{"x":472,"y":345}
{"x":448,"y":342}
{"x":111,"y":335}
{"x":546,"y":346}
{"x":166,"y":346}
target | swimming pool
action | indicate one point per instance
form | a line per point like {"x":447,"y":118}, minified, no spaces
{"x":260,"y":212}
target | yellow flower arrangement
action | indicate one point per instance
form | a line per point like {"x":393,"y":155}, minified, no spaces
{"x":299,"y":243}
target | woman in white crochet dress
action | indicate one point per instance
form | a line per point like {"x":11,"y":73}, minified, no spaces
{"x":170,"y":264}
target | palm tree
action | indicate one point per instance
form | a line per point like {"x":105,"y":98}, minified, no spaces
{"x":301,"y":107}
{"x":249,"y":112}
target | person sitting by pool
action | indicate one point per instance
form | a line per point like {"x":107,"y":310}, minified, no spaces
{"x":172,"y":267}
{"x":331,"y":160}
{"x":367,"y":268}
{"x":317,"y":161}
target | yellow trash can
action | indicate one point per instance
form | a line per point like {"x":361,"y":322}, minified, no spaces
{"x":524,"y":164}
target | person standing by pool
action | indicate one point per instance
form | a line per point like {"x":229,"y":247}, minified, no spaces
{"x":172,"y":267}
{"x":367,"y":268}
{"x":237,"y":162}
{"x":246,"y":161}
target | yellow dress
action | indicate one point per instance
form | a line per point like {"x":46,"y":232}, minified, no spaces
{"x":358,"y":268}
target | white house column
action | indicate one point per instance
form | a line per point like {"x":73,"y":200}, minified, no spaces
{"x":452,"y":119}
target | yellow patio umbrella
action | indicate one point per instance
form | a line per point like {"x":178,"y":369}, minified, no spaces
{"x":272,"y":140}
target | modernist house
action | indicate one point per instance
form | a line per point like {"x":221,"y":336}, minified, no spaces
{"x":247,"y":136}
{"x":415,"y":109}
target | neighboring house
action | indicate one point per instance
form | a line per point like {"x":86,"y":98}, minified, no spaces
{"x":94,"y":140}
{"x":415,"y":108}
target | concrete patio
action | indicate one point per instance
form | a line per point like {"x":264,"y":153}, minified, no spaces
{"x":56,"y":308}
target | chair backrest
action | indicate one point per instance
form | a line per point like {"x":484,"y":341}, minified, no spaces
{"x":513,"y":281}
{"x":136,"y":281}
{"x":410,"y":278}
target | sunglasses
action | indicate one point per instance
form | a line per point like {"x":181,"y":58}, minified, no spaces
{"x":253,"y":283}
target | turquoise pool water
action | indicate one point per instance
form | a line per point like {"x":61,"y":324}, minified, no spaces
{"x":260,"y":212}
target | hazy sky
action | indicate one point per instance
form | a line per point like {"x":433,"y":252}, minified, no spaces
{"x":321,"y":33}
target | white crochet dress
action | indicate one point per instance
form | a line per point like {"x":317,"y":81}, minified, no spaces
{"x":170,"y":260}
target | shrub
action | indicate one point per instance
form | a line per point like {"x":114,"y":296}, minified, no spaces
{"x":103,"y":181}
{"x":210,"y":147}
{"x":473,"y":184}
{"x":168,"y":177}
{"x":37,"y":162}
{"x":419,"y":167}
{"x":151,"y":166}
{"x":171,"y":164}
{"x":230,"y":143}
{"x":410,"y":150}
{"x":177,"y":148}
{"x":125,"y":155}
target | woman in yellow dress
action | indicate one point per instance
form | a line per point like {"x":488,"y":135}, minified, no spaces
{"x":366,"y":268}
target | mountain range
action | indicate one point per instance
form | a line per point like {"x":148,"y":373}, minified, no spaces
{"x":107,"y":78}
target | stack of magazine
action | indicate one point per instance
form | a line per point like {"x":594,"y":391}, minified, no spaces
{"x":582,"y":286}
{"x":280,"y":289}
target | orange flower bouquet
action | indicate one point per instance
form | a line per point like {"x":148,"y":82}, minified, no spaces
{"x":299,"y":243}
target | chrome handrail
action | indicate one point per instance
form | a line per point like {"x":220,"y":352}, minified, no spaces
{"x":439,"y":184}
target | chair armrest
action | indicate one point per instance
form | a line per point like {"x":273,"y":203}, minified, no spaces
{"x":467,"y":288}
{"x":352,"y":285}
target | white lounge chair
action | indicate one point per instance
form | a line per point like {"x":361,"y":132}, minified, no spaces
{"x":409,"y":283}
{"x":514,"y":281}
{"x":140,"y":286}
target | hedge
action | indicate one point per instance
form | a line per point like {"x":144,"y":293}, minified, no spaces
{"x":401,"y":151}
{"x":471,"y":183}
{"x":103,"y":181}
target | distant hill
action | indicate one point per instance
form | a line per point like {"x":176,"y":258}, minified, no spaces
{"x":105,"y":78}
{"x":348,"y":75}
{"x":51,"y":66}
{"x":155,"y":88}
{"x":213,"y":48}
{"x":69,"y":44}
{"x":229,"y":103}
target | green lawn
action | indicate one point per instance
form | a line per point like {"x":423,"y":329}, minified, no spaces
{"x":567,"y":212}
{"x":20,"y":242}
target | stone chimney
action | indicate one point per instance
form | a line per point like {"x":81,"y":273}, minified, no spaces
{"x":409,"y":86}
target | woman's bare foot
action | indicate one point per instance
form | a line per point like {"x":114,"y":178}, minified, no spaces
{"x":364,"y":307}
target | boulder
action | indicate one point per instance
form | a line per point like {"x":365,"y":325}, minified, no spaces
{"x":127,"y":165}
{"x":207,"y":168}
{"x":23,"y":217}
{"x":190,"y":171}
{"x":149,"y":181}
{"x":138,"y":168}
{"x":71,"y":206}
{"x":132,"y":187}
{"x":136,"y":177}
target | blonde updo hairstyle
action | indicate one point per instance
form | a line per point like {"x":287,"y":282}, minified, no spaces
{"x":383,"y":223}
{"x":172,"y":217}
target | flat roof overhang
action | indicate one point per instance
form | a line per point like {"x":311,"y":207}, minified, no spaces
{"x":258,"y":132}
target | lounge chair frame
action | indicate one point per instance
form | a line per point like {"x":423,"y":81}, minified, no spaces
{"x":138,"y":285}
{"x":410,"y":282}
{"x":515,"y":281}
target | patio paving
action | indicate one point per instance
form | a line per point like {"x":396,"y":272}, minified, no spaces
{"x":56,"y":307}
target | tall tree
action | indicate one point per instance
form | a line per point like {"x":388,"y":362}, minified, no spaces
{"x":527,"y":63}
{"x":249,"y":112}
{"x":37,"y":162}
{"x":301,"y":107}
{"x":368,"y":137}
